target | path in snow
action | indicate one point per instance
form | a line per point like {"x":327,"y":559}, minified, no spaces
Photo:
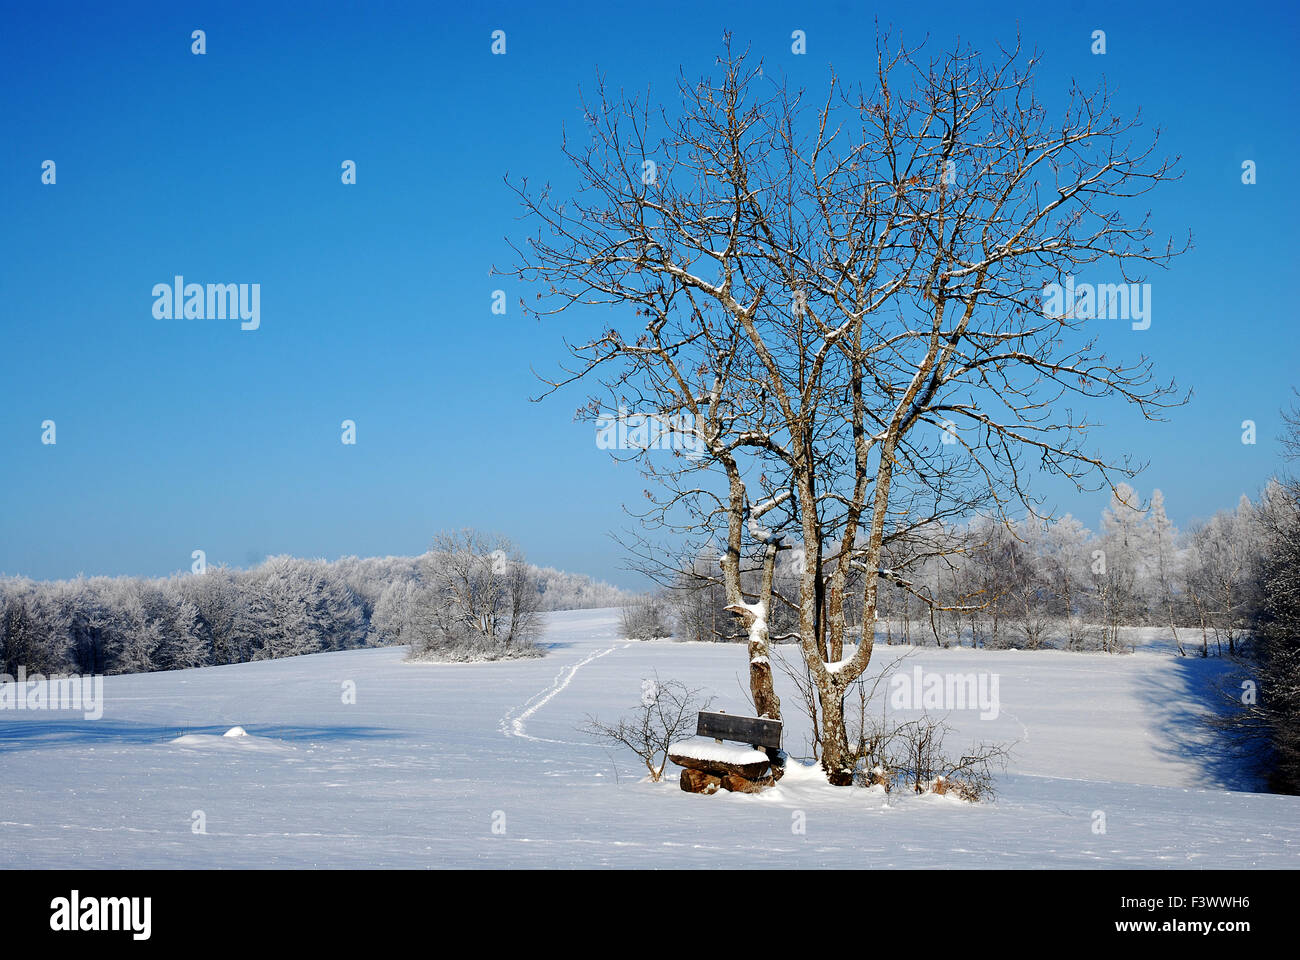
{"x":518,"y":726}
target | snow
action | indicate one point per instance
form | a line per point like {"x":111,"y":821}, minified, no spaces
{"x":849,"y":652}
{"x":418,"y":771}
{"x":706,"y":748}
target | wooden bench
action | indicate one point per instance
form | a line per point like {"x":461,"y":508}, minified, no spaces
{"x":711,"y":766}
{"x":759,"y":732}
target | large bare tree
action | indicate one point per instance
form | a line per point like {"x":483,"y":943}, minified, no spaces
{"x":837,"y":305}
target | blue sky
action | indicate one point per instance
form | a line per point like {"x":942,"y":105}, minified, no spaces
{"x":176,"y":435}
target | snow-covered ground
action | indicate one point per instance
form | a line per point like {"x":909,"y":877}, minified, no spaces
{"x":483,"y":765}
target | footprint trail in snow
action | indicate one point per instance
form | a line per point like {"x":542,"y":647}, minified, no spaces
{"x":518,"y":726}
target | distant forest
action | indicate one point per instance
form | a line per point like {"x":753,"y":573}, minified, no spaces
{"x":480,"y":609}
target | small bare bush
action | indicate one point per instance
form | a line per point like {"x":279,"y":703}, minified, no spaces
{"x":913,"y":754}
{"x":667,"y":713}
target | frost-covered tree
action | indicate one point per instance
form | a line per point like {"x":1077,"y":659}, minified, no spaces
{"x":646,"y":618}
{"x":19,"y":639}
{"x":223,"y":598}
{"x":1223,"y":580}
{"x":1276,"y":618}
{"x":299,"y":607}
{"x":392,"y":612}
{"x":523,"y":603}
{"x":575,"y":591}
{"x":1026,"y":602}
{"x":191,"y":645}
{"x":137,"y":631}
{"x":1166,"y":566}
{"x":1067,"y":563}
{"x":1118,"y":563}
{"x":476,"y":596}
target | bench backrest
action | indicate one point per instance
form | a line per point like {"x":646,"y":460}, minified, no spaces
{"x":758,"y":731}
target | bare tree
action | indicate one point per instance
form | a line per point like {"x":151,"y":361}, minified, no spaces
{"x":697,"y":601}
{"x":838,"y":312}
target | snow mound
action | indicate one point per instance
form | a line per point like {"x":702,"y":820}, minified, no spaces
{"x":236,"y":738}
{"x":705,"y":748}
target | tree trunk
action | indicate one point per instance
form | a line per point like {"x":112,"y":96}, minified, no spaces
{"x":837,"y":760}
{"x":761,"y":686}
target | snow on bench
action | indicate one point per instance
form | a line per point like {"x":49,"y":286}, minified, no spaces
{"x":704,"y":748}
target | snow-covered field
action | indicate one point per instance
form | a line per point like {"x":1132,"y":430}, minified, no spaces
{"x":482,"y":765}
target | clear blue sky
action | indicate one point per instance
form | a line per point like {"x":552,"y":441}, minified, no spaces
{"x":175,"y":435}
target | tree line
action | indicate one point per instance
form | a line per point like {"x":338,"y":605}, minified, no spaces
{"x":1033,"y":583}
{"x":469,"y":597}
